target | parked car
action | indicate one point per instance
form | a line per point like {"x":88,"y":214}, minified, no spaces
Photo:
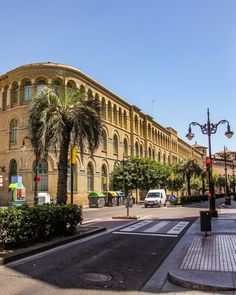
{"x":155,"y":197}
{"x":44,"y":198}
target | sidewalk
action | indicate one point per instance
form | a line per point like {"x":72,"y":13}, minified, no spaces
{"x":201,"y":262}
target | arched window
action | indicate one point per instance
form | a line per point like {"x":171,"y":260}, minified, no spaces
{"x":104,"y":179}
{"x":82,"y":89}
{"x":104,"y":113}
{"x":153,"y":154}
{"x":90,"y":177}
{"x":141,"y":127}
{"x":90,"y":94}
{"x":57,"y":87}
{"x":97,"y":97}
{"x":120,"y":117}
{"x":109,"y":111}
{"x":125,"y":120}
{"x":159,"y":156}
{"x":149,"y":131}
{"x":43,"y":173}
{"x":136,"y":123}
{"x":27,"y":91}
{"x":41,"y":84}
{"x":169,"y":159}
{"x":136,"y":149}
{"x":4,"y":99}
{"x":164,"y":158}
{"x":115,"y":144}
{"x":141,"y":151}
{"x":125,"y":147}
{"x":149,"y":153}
{"x":115,"y":114}
{"x":71,"y":85}
{"x":13,"y":131}
{"x":15,"y":93}
{"x":74,"y":167}
{"x":12,"y":169}
{"x":104,"y":140}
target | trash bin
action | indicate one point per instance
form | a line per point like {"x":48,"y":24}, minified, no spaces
{"x":227,"y":200}
{"x":111,"y":198}
{"x":205,"y":221}
{"x":120,"y":196}
{"x":96,"y":200}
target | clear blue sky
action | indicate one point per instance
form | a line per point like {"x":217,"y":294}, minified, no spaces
{"x":171,"y":58}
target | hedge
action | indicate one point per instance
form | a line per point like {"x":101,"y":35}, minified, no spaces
{"x":183,"y":200}
{"x":26,"y":225}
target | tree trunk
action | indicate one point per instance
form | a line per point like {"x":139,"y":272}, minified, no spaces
{"x":188,"y":185}
{"x":63,"y":169}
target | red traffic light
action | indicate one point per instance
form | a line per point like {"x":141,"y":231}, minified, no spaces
{"x":208,"y":161}
{"x":37,"y":179}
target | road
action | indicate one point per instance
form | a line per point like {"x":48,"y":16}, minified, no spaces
{"x":119,"y":260}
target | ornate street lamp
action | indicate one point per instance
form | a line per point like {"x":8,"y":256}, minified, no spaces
{"x":209,"y":129}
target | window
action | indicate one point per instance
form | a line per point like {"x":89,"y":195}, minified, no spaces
{"x":13,"y":131}
{"x":141,"y":151}
{"x":120,"y":117}
{"x":43,"y":173}
{"x":149,"y":153}
{"x":41,"y":84}
{"x":15,"y":93}
{"x":115,"y":145}
{"x":104,"y":141}
{"x":109,"y":112}
{"x":57,"y":87}
{"x":104,"y":179}
{"x":104,"y":115}
{"x":125,"y":120}
{"x":4,"y":99}
{"x":159,"y":156}
{"x":125,"y":147}
{"x":27,"y":91}
{"x":12,"y":169}
{"x":153,"y":154}
{"x":115,"y":114}
{"x":90,"y":178}
{"x":136,"y":123}
{"x":74,"y":178}
{"x":90,"y":95}
{"x":136,"y":149}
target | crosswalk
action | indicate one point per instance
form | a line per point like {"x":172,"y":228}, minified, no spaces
{"x":169,"y":228}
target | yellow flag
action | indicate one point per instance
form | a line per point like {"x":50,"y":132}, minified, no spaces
{"x":172,"y":176}
{"x":73,"y":154}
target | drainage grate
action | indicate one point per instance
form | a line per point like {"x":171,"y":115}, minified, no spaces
{"x":95,"y":277}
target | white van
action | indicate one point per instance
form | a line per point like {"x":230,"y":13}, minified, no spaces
{"x":155,"y":197}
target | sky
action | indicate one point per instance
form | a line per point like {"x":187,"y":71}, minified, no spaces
{"x":173,"y":59}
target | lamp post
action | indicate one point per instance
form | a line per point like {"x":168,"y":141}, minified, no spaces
{"x":209,"y":129}
{"x":37,"y":178}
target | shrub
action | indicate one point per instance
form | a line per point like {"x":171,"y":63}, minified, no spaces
{"x":26,"y":225}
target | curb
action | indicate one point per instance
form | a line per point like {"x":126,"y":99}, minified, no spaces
{"x":185,"y":283}
{"x":40,"y":247}
{"x":125,"y":217}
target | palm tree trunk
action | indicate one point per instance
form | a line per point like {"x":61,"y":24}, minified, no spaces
{"x":62,"y":168}
{"x":188,"y":185}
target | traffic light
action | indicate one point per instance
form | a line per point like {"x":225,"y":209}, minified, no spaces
{"x":208,"y":162}
{"x":105,"y":180}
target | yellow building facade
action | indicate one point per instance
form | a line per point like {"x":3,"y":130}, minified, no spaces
{"x":127,"y":132}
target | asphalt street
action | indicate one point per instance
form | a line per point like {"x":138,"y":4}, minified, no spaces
{"x":118,"y":261}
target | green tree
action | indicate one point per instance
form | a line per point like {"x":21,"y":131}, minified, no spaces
{"x":58,"y":118}
{"x":189,"y":168}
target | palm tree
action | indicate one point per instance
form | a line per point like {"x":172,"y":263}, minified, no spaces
{"x":58,"y":118}
{"x":188,"y":168}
